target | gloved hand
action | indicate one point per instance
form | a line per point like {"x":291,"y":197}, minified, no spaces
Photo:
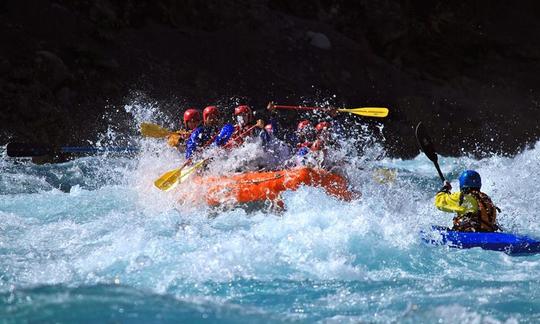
{"x":446,"y":187}
{"x":260,"y":123}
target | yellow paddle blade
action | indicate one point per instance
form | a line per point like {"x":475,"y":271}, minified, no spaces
{"x":153,"y":130}
{"x":379,"y":112}
{"x":189,"y":171}
{"x":168,"y":180}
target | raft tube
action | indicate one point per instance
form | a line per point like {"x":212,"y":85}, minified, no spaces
{"x":252,"y":187}
{"x":509,"y":243}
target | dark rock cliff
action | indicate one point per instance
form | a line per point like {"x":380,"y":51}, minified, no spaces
{"x":470,"y":70}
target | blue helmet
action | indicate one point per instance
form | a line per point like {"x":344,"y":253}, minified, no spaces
{"x":470,"y":179}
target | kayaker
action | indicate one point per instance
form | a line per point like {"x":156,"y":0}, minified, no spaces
{"x":475,"y":210}
{"x":200,"y":134}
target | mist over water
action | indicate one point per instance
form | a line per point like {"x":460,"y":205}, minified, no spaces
{"x":92,"y":240}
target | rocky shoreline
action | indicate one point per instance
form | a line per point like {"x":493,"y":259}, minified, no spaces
{"x":467,"y":70}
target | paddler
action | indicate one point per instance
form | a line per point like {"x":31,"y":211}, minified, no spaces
{"x":308,"y":150}
{"x":200,"y":134}
{"x":475,"y":210}
{"x":212,"y":118}
{"x":306,"y":136}
{"x":323,"y":136}
{"x":237,"y":134}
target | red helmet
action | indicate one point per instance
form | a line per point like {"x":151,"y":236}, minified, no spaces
{"x":244,"y":109}
{"x":210,"y":111}
{"x":192,"y":114}
{"x":303,"y":124}
{"x":322,"y":125}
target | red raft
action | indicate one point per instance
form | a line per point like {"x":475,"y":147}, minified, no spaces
{"x":253,"y":187}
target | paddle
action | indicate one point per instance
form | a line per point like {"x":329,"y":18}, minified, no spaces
{"x":28,"y":150}
{"x":232,"y":141}
{"x":426,"y":145}
{"x":378,"y":112}
{"x":170,"y":179}
{"x":156,"y":131}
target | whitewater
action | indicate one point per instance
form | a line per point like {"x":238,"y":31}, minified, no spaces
{"x":91,"y":240}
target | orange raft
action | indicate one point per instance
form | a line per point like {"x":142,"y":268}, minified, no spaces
{"x":255,"y":187}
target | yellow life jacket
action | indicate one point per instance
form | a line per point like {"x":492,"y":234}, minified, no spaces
{"x":483,"y":220}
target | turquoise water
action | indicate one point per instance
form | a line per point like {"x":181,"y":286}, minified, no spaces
{"x":91,"y":241}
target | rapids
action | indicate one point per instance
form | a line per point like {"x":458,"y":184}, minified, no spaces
{"x":92,"y":240}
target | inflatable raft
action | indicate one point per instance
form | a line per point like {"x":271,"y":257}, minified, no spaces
{"x":253,"y":187}
{"x":505,"y":242}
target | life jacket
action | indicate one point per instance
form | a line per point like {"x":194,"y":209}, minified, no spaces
{"x":483,"y":220}
{"x":304,"y":144}
{"x":177,"y":138}
{"x":238,"y":130}
{"x":317,"y":145}
{"x":197,"y":139}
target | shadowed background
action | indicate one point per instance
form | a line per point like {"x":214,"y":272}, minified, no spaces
{"x":469,"y":70}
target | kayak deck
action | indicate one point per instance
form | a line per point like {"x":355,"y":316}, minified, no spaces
{"x":506,"y":242}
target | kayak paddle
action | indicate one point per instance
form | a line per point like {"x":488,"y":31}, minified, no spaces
{"x":156,"y":131}
{"x":426,"y":145}
{"x":379,"y":112}
{"x":170,"y":179}
{"x":28,"y":150}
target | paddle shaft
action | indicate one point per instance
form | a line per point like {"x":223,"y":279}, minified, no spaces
{"x":439,"y":170}
{"x":89,"y":149}
{"x":232,"y":140}
{"x":426,"y":146}
{"x":376,"y":112}
{"x":300,"y":107}
{"x":29,"y":150}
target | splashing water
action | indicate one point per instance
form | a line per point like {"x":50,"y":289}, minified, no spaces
{"x":92,"y":240}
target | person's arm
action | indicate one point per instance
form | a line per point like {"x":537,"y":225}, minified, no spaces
{"x":302,"y":151}
{"x":224,"y":135}
{"x":449,"y":202}
{"x":265,"y":138}
{"x":193,"y":142}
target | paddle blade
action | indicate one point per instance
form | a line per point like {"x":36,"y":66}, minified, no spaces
{"x":189,"y":171}
{"x":153,"y":130}
{"x":168,"y":180}
{"x":28,"y":150}
{"x":425,"y":143}
{"x":378,"y":112}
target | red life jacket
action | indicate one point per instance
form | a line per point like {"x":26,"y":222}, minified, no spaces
{"x":238,"y":140}
{"x":304,"y":144}
{"x":317,"y":145}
